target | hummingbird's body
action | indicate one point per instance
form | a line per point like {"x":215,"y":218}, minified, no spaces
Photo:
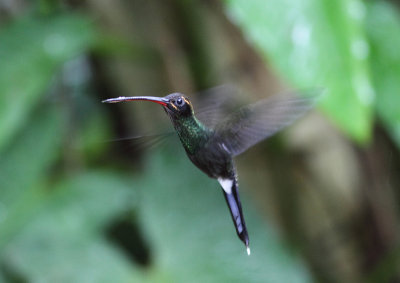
{"x":212,"y":149}
{"x":201,"y":147}
{"x":212,"y":157}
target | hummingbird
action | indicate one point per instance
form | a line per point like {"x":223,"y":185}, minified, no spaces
{"x":212,"y":149}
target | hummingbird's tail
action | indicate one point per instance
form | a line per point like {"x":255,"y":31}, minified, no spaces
{"x":231,"y":193}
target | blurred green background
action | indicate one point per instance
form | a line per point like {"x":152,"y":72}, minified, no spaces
{"x":321,"y":199}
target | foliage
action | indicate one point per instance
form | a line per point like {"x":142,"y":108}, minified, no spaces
{"x":33,"y":49}
{"x":384,"y":22}
{"x":55,"y":227}
{"x":55,"y":222}
{"x":327,"y":43}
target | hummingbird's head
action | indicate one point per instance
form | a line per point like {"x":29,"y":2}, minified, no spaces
{"x":177,"y":105}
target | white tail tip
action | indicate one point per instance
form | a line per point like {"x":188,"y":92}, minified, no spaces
{"x":248,"y":251}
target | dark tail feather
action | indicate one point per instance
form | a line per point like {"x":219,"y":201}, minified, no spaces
{"x":235,"y":207}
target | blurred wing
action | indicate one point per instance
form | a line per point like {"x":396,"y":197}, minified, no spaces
{"x":255,"y":122}
{"x":210,"y":106}
{"x":142,"y":142}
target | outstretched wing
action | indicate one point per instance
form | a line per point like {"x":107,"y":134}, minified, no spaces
{"x":255,"y":122}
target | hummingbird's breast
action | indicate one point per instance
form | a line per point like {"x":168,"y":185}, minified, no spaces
{"x":214,"y":160}
{"x":203,"y":149}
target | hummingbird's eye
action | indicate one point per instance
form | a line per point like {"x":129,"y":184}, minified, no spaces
{"x":179,"y":102}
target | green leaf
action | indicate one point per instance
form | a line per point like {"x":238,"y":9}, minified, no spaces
{"x":22,"y":169}
{"x":31,"y":50}
{"x":383,"y":27}
{"x":185,"y":221}
{"x":315,"y":43}
{"x":94,"y":130}
{"x":188,"y":224}
{"x":65,"y":242}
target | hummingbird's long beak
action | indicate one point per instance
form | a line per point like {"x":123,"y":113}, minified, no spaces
{"x":160,"y":100}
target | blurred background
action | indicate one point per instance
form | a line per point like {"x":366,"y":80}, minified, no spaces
{"x":78,"y":204}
